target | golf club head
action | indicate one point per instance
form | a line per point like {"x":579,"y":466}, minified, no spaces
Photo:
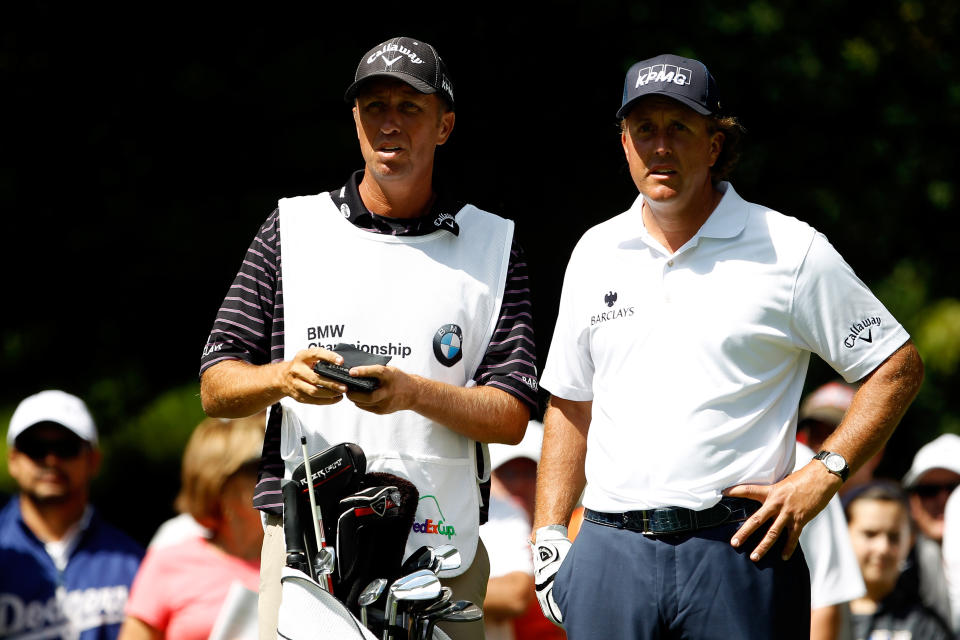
{"x":422,"y":558}
{"x":459,"y":611}
{"x":414,"y":608}
{"x":368,"y":507}
{"x":446,"y":557}
{"x":326,"y":561}
{"x":419,"y":585}
{"x":336,"y":472}
{"x":370,"y":594}
{"x":417,"y":610}
{"x":462,"y":611}
{"x":445,"y":594}
{"x":372,"y":528}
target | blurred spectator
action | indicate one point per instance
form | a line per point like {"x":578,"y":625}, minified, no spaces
{"x":933,"y":476}
{"x":879,"y":526}
{"x":834,"y":573}
{"x":820,"y":414}
{"x":182,"y":586}
{"x":510,"y":610}
{"x":177,"y":529}
{"x":64,"y":572}
{"x":951,"y":556}
{"x":507,"y":532}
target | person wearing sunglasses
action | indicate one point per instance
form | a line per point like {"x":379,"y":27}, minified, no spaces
{"x":64,"y":572}
{"x":934,"y":474}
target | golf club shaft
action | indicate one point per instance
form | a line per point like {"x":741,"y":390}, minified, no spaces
{"x":391,"y":620}
{"x":316,"y":517}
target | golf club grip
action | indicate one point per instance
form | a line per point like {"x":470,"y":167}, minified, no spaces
{"x":292,"y":529}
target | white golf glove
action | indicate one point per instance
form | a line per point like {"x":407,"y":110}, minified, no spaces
{"x":550,"y":547}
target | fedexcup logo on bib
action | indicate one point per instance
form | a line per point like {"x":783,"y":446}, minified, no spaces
{"x":447,"y":343}
{"x":434,"y":523}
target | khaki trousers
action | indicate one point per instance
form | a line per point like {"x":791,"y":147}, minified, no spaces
{"x":470,"y":585}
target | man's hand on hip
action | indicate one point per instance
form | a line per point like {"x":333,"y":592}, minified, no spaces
{"x":550,"y":547}
{"x":792,"y":503}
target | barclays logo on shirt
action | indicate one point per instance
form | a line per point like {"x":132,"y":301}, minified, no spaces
{"x":610,"y":299}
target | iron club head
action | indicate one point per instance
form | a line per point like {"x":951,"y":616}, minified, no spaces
{"x":417,"y":609}
{"x":422,"y":558}
{"x":419,"y":585}
{"x":445,"y":557}
{"x":369,"y":595}
{"x":459,"y":611}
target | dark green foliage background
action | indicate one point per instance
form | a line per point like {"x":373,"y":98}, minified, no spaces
{"x":141,"y":149}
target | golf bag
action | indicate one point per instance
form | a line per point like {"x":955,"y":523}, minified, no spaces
{"x":366,"y":518}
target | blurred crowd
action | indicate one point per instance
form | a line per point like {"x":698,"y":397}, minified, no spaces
{"x":884,"y":557}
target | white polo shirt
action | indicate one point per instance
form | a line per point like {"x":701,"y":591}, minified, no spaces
{"x":695,"y":360}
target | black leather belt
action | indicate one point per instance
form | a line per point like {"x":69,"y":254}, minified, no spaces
{"x":667,"y":520}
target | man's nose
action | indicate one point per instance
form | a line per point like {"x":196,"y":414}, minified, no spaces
{"x":50,"y":459}
{"x":391,"y":121}
{"x":884,"y":544}
{"x":662,"y":143}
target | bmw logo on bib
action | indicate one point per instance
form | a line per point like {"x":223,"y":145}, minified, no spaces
{"x":447,"y":344}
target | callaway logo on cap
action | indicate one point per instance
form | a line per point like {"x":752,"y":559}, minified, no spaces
{"x":685,"y":80}
{"x":412,"y":61}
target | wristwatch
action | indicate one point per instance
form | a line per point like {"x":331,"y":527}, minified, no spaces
{"x":835,"y":463}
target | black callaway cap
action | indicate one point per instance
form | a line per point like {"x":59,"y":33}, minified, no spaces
{"x":685,"y":80}
{"x":412,"y":61}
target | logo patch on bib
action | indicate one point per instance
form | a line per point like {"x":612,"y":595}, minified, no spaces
{"x":434,"y":523}
{"x":447,"y":344}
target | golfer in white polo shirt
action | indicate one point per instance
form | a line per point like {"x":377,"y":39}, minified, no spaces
{"x":676,"y":368}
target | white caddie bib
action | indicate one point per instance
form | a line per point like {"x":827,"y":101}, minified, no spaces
{"x":430,"y":302}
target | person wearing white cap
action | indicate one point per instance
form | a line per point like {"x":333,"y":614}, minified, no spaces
{"x":58,"y":556}
{"x":933,"y":476}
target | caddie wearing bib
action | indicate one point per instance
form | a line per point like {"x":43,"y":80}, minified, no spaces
{"x":675,"y":370}
{"x":392,"y":266}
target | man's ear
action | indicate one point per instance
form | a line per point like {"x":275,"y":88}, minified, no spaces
{"x":716,"y":146}
{"x":13,"y":462}
{"x":446,"y":126}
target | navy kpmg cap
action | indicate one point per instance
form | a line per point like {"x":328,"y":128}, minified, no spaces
{"x":412,"y":61}
{"x":685,"y":80}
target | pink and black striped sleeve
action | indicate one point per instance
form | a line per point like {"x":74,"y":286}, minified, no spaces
{"x":510,"y":362}
{"x":249,"y":324}
{"x":249,"y":327}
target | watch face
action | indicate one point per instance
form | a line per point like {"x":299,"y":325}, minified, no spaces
{"x":835,"y":462}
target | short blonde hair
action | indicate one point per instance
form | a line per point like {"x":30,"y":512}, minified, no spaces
{"x":217,"y":449}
